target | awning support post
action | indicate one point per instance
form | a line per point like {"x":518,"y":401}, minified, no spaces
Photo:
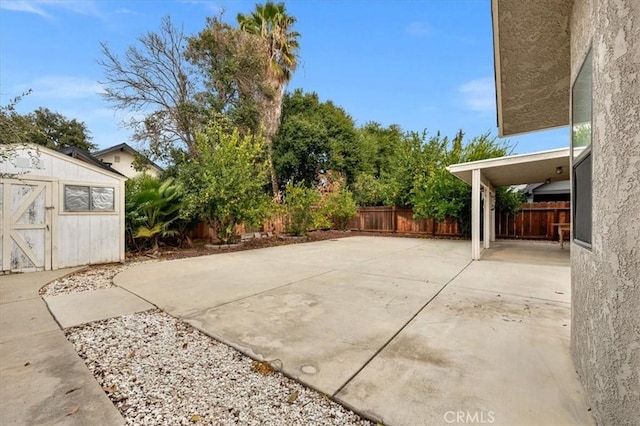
{"x":487,"y":218}
{"x":493,"y":216}
{"x":475,"y":214}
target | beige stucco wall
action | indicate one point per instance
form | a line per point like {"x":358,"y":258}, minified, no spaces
{"x":125,"y":165}
{"x":605,"y":338}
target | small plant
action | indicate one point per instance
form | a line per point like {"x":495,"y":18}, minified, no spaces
{"x":340,"y":207}
{"x":152,"y":207}
{"x":299,"y":203}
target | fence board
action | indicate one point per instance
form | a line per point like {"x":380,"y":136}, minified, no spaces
{"x":534,"y":220}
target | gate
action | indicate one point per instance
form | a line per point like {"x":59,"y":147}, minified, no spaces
{"x":25,"y":232}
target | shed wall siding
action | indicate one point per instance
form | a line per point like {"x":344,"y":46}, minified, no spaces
{"x":57,"y":168}
{"x":88,"y":239}
{"x":605,"y":343}
{"x":77,"y":238}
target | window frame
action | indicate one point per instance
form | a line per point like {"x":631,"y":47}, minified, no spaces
{"x":585,"y":153}
{"x":90,"y":210}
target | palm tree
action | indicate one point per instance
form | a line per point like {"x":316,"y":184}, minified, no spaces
{"x":272,"y":24}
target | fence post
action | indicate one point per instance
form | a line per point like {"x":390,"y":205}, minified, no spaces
{"x":361,"y":221}
{"x":394,"y":219}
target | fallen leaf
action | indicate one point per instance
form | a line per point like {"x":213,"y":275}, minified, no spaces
{"x":195,"y":418}
{"x":110,"y":389}
{"x":292,"y":397}
{"x":184,"y":346}
{"x":262,"y":367}
{"x":73,"y":410}
{"x":132,"y":354}
{"x":26,"y":364}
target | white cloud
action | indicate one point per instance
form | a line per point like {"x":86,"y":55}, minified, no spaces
{"x":24,"y":6}
{"x":62,"y":87}
{"x":45,"y":8}
{"x":479,"y":95}
{"x":418,"y":28}
{"x":209,"y":5}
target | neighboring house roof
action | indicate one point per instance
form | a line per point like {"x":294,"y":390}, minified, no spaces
{"x":531,"y":45}
{"x":79,"y":154}
{"x":124,"y":147}
{"x":552,"y":188}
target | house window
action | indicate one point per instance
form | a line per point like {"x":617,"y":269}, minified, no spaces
{"x":79,"y":198}
{"x":581,"y":133}
{"x":116,"y":158}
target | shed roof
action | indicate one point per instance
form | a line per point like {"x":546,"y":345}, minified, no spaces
{"x":539,"y":166}
{"x":79,"y":154}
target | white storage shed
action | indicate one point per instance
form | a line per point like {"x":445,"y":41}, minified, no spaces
{"x":58,"y":211}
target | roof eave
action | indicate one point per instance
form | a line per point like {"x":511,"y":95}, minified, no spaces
{"x":531,"y":43}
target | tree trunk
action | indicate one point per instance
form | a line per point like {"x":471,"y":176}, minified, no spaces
{"x":271,"y":121}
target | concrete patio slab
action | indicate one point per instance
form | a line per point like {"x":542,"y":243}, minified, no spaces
{"x":24,"y":317}
{"x":184,"y":287}
{"x":536,"y":252}
{"x":500,"y":358}
{"x":43,"y":381}
{"x":321,"y":330}
{"x":548,"y":282}
{"x":415,"y":264}
{"x":88,"y":306}
{"x":402,"y":330}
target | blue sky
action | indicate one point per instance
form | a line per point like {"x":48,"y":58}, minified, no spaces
{"x":420,"y":64}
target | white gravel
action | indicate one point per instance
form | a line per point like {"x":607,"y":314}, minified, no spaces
{"x":92,"y":278}
{"x":161,"y":371}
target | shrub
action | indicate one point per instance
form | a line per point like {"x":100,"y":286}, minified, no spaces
{"x":225,"y":184}
{"x":339,"y":207}
{"x":300,"y":205}
{"x":151,"y":207}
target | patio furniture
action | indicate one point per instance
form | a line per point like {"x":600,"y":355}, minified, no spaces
{"x":562,"y":227}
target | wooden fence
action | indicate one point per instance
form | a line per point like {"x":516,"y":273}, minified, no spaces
{"x":533,"y":221}
{"x":397,"y":219}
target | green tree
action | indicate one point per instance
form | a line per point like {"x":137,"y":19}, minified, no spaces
{"x":55,"y":131}
{"x":233,"y":65}
{"x":43,"y":127}
{"x":225,"y":184}
{"x":271,"y":23}
{"x":439,"y":194}
{"x":314,"y":137}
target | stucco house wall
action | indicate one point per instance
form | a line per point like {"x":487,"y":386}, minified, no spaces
{"x":121,"y":158}
{"x":605,"y":338}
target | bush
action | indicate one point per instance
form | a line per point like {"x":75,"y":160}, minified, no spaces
{"x":339,"y":206}
{"x":300,"y":205}
{"x":225,"y":184}
{"x":152,"y":208}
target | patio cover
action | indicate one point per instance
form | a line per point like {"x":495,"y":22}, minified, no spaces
{"x":486,"y":175}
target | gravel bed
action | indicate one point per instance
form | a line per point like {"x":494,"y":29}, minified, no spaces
{"x":158,"y":370}
{"x":92,"y":278}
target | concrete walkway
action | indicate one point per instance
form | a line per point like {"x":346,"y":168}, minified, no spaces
{"x":43,"y":381}
{"x":406,"y":331}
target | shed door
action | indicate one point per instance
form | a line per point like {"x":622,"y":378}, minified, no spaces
{"x":25,"y":232}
